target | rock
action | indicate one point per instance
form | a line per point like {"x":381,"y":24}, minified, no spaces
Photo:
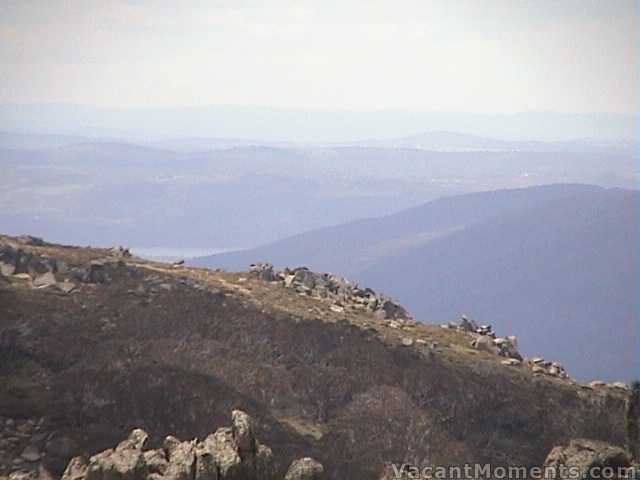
{"x":511,"y":362}
{"x":509,"y":347}
{"x":7,"y":269}
{"x":156,"y":461}
{"x":223,"y":449}
{"x":45,"y":280}
{"x":467,"y":325}
{"x":181,"y":457}
{"x":243,"y":432}
{"x":586,"y":455}
{"x":305,"y":469}
{"x":485,"y":343}
{"x":597,"y":383}
{"x":120,"y":252}
{"x":126,"y":462}
{"x":30,"y":454}
{"x":98,"y":273}
{"x":66,"y":286}
{"x":136,"y":440}
{"x":264,"y":271}
{"x":206,"y":467}
{"x":407,"y":342}
{"x":26,"y":427}
{"x":38,"y":439}
{"x":336,"y":308}
{"x":76,"y":470}
{"x":484,"y":330}
{"x":392,"y":310}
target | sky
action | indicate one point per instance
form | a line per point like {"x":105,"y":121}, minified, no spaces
{"x":478,"y":56}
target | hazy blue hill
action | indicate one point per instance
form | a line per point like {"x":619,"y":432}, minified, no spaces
{"x":555,"y":265}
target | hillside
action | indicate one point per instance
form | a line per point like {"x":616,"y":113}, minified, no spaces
{"x":556,"y":265}
{"x":94,"y":343}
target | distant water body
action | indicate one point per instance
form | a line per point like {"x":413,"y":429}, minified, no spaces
{"x":169,"y":254}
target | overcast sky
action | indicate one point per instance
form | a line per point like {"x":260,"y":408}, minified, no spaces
{"x":474,"y":56}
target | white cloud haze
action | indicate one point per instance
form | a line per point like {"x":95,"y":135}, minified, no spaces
{"x":453,"y":55}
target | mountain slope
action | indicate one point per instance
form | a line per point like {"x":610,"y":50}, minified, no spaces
{"x":557,"y":264}
{"x":172,"y":350}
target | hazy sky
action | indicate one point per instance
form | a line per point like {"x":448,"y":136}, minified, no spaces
{"x":473,"y":56}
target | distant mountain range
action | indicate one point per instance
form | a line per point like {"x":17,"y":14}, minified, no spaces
{"x":303,"y":126}
{"x":438,"y":141}
{"x":556,"y":265}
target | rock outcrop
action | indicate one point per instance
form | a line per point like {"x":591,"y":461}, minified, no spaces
{"x":485,"y":339}
{"x":341,"y":293}
{"x":44,"y":271}
{"x":231,"y":453}
{"x":588,"y":457}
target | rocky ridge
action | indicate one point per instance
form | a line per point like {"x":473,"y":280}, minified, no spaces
{"x":171,"y":348}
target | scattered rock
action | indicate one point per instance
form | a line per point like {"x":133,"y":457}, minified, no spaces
{"x":340,"y":292}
